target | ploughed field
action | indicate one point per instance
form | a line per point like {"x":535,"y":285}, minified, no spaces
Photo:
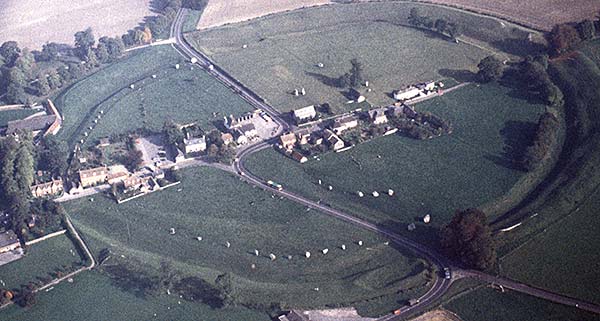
{"x":183,"y":95}
{"x":274,"y":55}
{"x":220,"y":208}
{"x":469,"y":168}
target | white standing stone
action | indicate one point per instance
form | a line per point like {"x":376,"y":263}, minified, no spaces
{"x":390,"y":192}
{"x":256,"y":252}
{"x":307,"y":254}
{"x":325,"y":251}
{"x":360,"y":243}
{"x":272,"y":257}
{"x":375,"y":194}
{"x":343,"y":247}
{"x":360,"y":194}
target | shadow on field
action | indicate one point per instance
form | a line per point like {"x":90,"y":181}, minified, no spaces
{"x":517,"y":137}
{"x":425,"y":234}
{"x":519,"y":47}
{"x":460,"y":75}
{"x":326,"y":80}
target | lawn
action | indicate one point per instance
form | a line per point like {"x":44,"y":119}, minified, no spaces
{"x":92,"y":296}
{"x":16,"y":114}
{"x":468,"y":168}
{"x":283,"y":50}
{"x":40,"y":260}
{"x":183,"y":95}
{"x":486,"y":304}
{"x":220,"y":208}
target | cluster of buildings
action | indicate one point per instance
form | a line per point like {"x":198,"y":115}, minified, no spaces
{"x":417,"y":91}
{"x":242,"y":129}
{"x":42,"y":125}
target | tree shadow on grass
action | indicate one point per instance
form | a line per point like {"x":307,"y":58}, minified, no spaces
{"x":427,"y":235}
{"x":519,"y":47}
{"x":326,"y":80}
{"x":460,"y":75}
{"x":517,"y":137}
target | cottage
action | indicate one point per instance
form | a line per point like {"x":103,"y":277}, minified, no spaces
{"x":9,"y":241}
{"x":46,"y":189}
{"x":288,"y":140}
{"x":303,"y":136}
{"x":91,"y":177}
{"x":378,"y":116}
{"x":344,"y":123}
{"x":227,"y":138}
{"x":134,"y":182}
{"x":195,"y":145}
{"x":298,"y":157}
{"x":305,"y":113}
{"x":103,"y":142}
{"x":334,"y":141}
{"x":116,"y":177}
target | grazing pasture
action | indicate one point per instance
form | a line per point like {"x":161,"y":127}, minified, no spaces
{"x":39,"y":261}
{"x":93,"y":296}
{"x":276,"y":54}
{"x":219,"y":208}
{"x":183,"y":95}
{"x":33,"y":23}
{"x":469,"y":168}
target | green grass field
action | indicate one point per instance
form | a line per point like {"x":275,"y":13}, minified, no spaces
{"x":283,"y":50}
{"x":92,"y":296}
{"x":468,"y":168}
{"x":183,"y":95}
{"x":8,"y":115}
{"x":220,"y":208}
{"x":40,"y":260}
{"x":486,"y":304}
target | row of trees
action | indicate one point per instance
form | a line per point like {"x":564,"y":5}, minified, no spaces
{"x":545,"y":135}
{"x":439,"y":25}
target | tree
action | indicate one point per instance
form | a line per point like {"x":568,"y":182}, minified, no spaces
{"x":213,"y":150}
{"x":25,"y":62}
{"x":490,"y":69}
{"x":15,"y":94}
{"x":54,"y":79}
{"x":344,"y":80}
{"x":545,"y":136}
{"x":468,"y":238}
{"x":146,"y":35}
{"x":194,"y":4}
{"x":415,"y":18}
{"x":562,"y":38}
{"x":63,"y":72}
{"x":49,"y":52}
{"x":356,"y":73}
{"x":16,"y":76}
{"x":90,"y":58}
{"x":84,"y":40}
{"x":26,"y":298}
{"x":102,"y":53}
{"x":158,"y":24}
{"x":41,"y":86}
{"x":10,"y":51}
{"x":586,"y":29}
{"x":53,"y":155}
{"x":224,"y":283}
{"x":440,"y":25}
{"x":114,"y":46}
{"x":455,"y":30}
{"x":75,"y":70}
{"x":172,"y":132}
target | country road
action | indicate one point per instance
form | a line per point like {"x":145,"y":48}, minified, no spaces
{"x":440,"y":285}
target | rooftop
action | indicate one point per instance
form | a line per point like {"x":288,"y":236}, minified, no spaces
{"x":30,"y":124}
{"x":7,"y":238}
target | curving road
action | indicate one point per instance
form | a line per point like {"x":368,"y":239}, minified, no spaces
{"x":440,"y":285}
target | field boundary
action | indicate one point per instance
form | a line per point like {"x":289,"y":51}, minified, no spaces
{"x":45,"y":237}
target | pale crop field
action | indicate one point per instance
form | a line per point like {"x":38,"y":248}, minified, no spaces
{"x":34,"y":22}
{"x":220,"y":12}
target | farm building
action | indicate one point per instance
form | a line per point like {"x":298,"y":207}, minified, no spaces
{"x":116,"y":177}
{"x":9,"y":241}
{"x":93,"y":176}
{"x":249,"y":130}
{"x":288,"y":140}
{"x":231,"y":122}
{"x":334,"y":141}
{"x":194,"y":145}
{"x":103,"y":142}
{"x":344,"y":123}
{"x":46,"y":189}
{"x":292,"y":316}
{"x":378,"y":116}
{"x":303,"y":136}
{"x":240,"y":138}
{"x":34,"y":124}
{"x":305,"y":113}
{"x":414,"y":91}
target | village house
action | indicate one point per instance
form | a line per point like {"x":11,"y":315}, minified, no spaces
{"x":116,"y":177}
{"x":231,"y":122}
{"x":298,"y":157}
{"x":93,"y":176}
{"x":288,"y":140}
{"x":378,"y":116}
{"x":303,"y":136}
{"x":334,"y":141}
{"x":240,"y":138}
{"x":344,"y":123}
{"x":304,"y":114}
{"x":103,"y":142}
{"x":47,"y":189}
{"x":9,"y":241}
{"x":249,"y":130}
{"x":134,"y":182}
{"x":194,"y":145}
{"x":227,"y":138}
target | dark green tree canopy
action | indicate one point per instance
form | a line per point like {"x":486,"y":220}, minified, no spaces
{"x":490,"y":69}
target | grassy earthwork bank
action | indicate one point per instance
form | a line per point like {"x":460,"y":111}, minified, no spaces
{"x":40,"y":260}
{"x":559,"y":222}
{"x":487,"y":304}
{"x":219,"y":208}
{"x":282,"y":51}
{"x":92,"y":296}
{"x":184,"y":95}
{"x":469,"y":168}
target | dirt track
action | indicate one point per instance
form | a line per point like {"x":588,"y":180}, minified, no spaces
{"x":34,"y":22}
{"x":220,"y":12}
{"x":540,"y":14}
